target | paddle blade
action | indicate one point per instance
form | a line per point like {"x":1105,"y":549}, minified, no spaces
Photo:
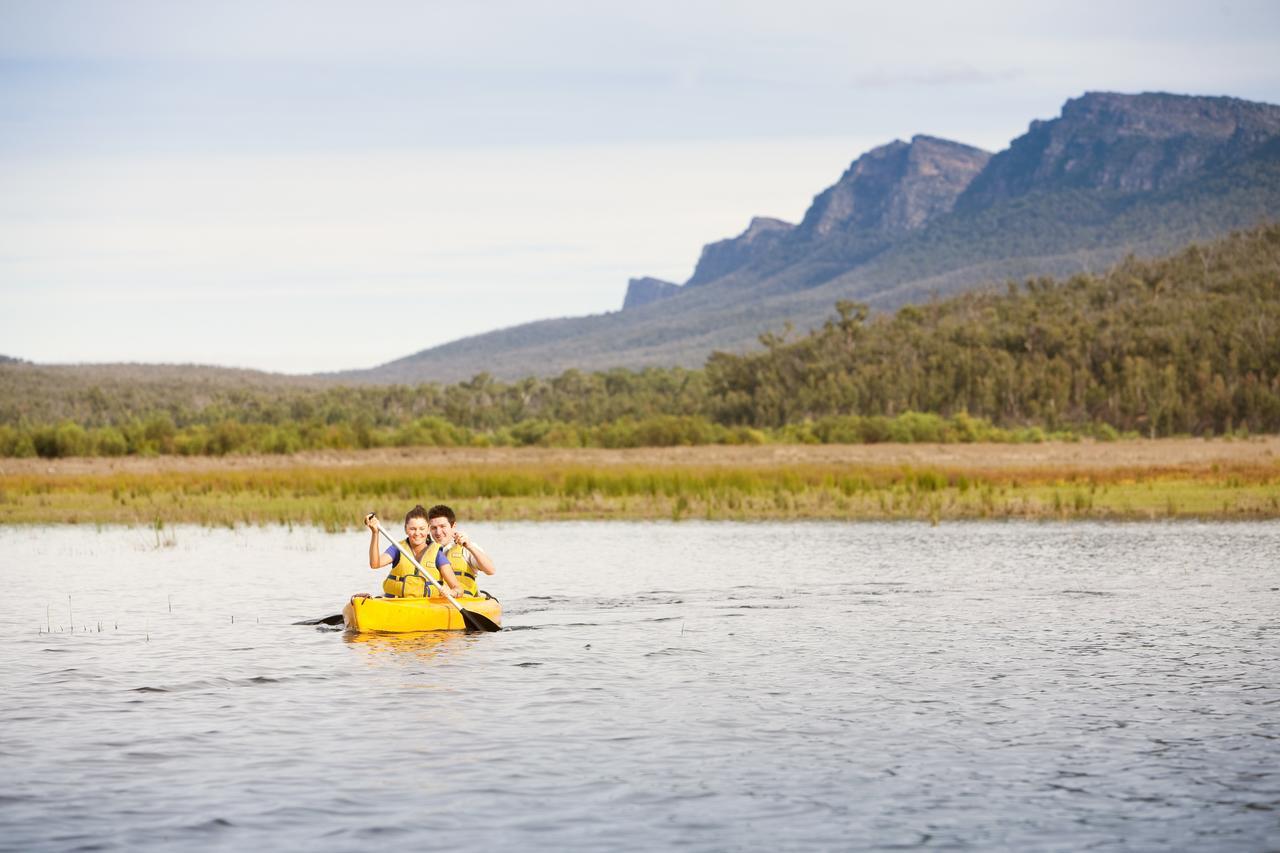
{"x":478,"y":621}
{"x":335,"y":619}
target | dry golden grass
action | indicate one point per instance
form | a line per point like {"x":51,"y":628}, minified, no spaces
{"x":1123,"y":480}
{"x":1181,"y":453}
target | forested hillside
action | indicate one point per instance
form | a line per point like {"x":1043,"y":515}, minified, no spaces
{"x":1188,"y":344}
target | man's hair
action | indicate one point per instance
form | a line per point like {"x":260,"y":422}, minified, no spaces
{"x":416,"y":512}
{"x":442,"y":511}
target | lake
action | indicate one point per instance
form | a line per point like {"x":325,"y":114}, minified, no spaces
{"x":693,"y":686}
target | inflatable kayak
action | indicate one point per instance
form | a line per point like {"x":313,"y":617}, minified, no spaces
{"x":402,"y":615}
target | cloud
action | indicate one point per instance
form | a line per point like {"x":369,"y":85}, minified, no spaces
{"x":316,"y":75}
{"x":486,"y":237}
{"x":954,"y":74}
{"x":514,"y":160}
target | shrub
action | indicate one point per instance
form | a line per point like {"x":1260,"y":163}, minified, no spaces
{"x":109,"y":441}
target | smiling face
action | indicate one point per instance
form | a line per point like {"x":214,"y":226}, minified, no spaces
{"x":441,"y":529}
{"x":415,"y":529}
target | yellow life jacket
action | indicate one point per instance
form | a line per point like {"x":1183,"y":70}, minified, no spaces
{"x":405,"y":581}
{"x":458,"y":562}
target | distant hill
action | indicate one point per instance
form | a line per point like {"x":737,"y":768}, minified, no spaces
{"x":1186,"y":344}
{"x":1113,"y":175}
{"x":108,"y":393}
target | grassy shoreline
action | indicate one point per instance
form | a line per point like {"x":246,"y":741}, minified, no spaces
{"x":1145,"y":480}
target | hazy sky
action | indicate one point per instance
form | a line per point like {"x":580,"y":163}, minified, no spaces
{"x":304,"y":186}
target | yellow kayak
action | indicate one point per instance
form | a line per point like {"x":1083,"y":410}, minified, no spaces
{"x":401,"y":615}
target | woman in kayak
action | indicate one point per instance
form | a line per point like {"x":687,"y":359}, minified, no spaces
{"x":404,"y":580}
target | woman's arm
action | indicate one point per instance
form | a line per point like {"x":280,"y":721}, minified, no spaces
{"x":377,"y":559}
{"x":449,"y":578}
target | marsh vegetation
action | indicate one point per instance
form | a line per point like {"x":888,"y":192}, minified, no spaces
{"x":1126,"y":480}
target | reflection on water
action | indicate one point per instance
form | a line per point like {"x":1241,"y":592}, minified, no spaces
{"x":700,"y":686}
{"x":425,"y":645}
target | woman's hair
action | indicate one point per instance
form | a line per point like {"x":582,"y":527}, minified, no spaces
{"x":416,"y":512}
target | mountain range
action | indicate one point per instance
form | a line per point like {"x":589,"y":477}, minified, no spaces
{"x":1113,"y":175}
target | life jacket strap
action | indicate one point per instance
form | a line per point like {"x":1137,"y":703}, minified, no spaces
{"x":427,"y":583}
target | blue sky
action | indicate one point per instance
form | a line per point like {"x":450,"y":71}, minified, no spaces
{"x":303,"y":186}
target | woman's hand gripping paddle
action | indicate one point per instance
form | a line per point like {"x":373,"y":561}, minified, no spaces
{"x":474,"y":621}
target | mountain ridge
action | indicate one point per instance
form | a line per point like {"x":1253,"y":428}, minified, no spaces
{"x":1113,"y":174}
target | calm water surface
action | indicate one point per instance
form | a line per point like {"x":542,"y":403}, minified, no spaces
{"x":694,"y":686}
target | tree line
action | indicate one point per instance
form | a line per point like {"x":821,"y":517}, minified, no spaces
{"x":1188,"y":344}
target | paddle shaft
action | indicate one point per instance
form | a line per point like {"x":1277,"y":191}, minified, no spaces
{"x":475,"y":621}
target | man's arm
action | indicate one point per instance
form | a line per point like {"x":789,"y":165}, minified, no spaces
{"x":477,"y":557}
{"x":480,"y":560}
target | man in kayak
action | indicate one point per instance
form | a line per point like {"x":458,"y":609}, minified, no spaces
{"x":404,"y":580}
{"x":452,"y":553}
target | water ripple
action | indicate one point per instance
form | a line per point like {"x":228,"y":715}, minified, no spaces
{"x":1000,"y":686}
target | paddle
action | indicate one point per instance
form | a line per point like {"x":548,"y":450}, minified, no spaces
{"x":474,"y":621}
{"x":335,"y":619}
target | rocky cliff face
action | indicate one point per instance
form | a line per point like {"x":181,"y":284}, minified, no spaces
{"x":1125,"y":143}
{"x":895,"y":188}
{"x":726,"y":256}
{"x":642,"y":291}
{"x":891,"y":190}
